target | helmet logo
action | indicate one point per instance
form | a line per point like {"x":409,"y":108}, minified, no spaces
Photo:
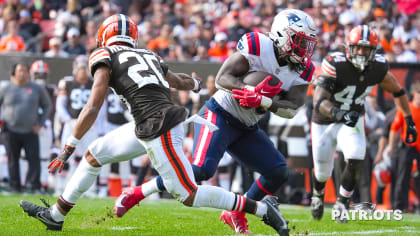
{"x":293,"y":18}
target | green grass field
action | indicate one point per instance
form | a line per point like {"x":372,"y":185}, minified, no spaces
{"x":168,"y":217}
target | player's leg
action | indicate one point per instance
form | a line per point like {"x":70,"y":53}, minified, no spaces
{"x":323,"y":149}
{"x":352,"y":141}
{"x":257,"y":152}
{"x":118,"y":145}
{"x":209,"y":147}
{"x":167,"y":156}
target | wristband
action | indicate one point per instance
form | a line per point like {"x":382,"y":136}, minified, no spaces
{"x":196,"y":84}
{"x":266,"y":102}
{"x":72,"y":141}
{"x":399,"y":94}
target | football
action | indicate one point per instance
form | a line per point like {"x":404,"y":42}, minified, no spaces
{"x":255,"y":77}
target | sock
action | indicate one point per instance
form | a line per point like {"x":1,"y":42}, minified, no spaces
{"x":83,"y":178}
{"x":147,"y":188}
{"x":141,"y":173}
{"x":216,"y":197}
{"x":56,"y":214}
{"x":319,"y":187}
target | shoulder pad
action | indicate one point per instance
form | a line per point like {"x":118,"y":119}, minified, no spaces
{"x":326,"y":82}
{"x":328,"y":67}
{"x":99,"y":56}
{"x":249,"y":44}
{"x":308,"y":73}
{"x":379,"y":58}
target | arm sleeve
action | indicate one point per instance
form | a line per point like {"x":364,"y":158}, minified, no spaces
{"x":46,"y":106}
{"x":60,"y":107}
{"x":398,"y":122}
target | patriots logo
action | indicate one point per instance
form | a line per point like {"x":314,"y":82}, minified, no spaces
{"x":293,"y":18}
{"x":240,"y":46}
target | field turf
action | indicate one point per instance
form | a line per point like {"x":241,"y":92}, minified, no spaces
{"x":168,"y":217}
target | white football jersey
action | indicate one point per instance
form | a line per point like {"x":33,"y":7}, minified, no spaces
{"x":259,"y":50}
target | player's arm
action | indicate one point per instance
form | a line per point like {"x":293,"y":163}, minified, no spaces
{"x":181,"y":81}
{"x":87,"y":116}
{"x":90,"y":111}
{"x":234,"y":68}
{"x":287,"y":106}
{"x":322,"y":94}
{"x":390,"y":84}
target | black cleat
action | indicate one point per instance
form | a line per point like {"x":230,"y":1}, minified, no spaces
{"x":317,"y":206}
{"x":274,"y":218}
{"x":42,"y":214}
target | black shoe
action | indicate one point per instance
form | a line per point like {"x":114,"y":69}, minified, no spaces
{"x":42,"y":214}
{"x":317,"y":206}
{"x":274,"y":218}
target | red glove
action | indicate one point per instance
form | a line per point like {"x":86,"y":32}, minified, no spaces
{"x":251,"y":99}
{"x":265,"y":89}
{"x":59,"y":161}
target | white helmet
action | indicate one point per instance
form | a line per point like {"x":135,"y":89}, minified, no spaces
{"x":294,"y":32}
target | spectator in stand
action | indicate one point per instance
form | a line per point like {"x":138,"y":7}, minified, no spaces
{"x":14,"y":6}
{"x":407,"y":152}
{"x":385,"y":38}
{"x":405,"y":32}
{"x":415,"y":47}
{"x":73,"y":46}
{"x":237,"y":29}
{"x":40,"y":9}
{"x":31,"y":32}
{"x":89,"y":40}
{"x":219,"y":52}
{"x":12,"y":42}
{"x":202,"y":54}
{"x":402,"y":55}
{"x":21,"y":101}
{"x":55,"y":49}
{"x":184,"y":30}
{"x":161,"y":44}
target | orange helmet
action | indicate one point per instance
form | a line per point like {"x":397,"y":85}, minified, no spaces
{"x":116,"y":29}
{"x":39,"y":70}
{"x":39,"y":66}
{"x":365,"y":36}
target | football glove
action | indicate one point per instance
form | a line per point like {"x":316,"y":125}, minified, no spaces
{"x":197,"y":82}
{"x":60,"y":160}
{"x":349,"y":118}
{"x":251,"y":99}
{"x":411,"y":131}
{"x":265,"y":89}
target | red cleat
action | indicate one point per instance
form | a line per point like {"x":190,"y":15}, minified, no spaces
{"x":127,"y":200}
{"x":236,"y":220}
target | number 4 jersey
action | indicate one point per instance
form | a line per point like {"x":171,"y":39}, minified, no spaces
{"x":349,"y":86}
{"x":138,"y":77}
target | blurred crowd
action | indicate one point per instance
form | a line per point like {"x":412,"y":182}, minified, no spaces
{"x":183,"y":30}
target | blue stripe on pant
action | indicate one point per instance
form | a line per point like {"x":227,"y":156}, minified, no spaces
{"x":248,"y":145}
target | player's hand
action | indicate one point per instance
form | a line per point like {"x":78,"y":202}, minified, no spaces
{"x":411,"y":131}
{"x":251,"y":99}
{"x":349,"y":118}
{"x":197,"y":82}
{"x":267,"y":90}
{"x":58,"y":162}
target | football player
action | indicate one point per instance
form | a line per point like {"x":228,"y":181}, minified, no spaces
{"x":285,"y":53}
{"x":337,"y":118}
{"x":143,"y":81}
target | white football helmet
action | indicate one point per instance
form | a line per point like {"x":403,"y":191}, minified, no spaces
{"x":294,"y":32}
